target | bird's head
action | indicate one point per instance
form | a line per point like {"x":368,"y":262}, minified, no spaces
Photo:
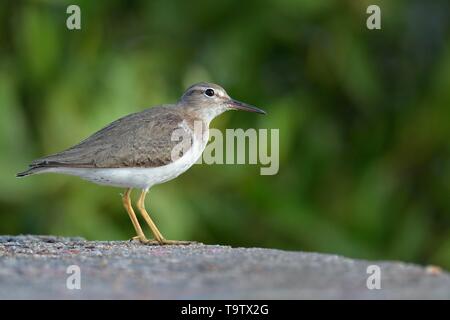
{"x":209,"y":100}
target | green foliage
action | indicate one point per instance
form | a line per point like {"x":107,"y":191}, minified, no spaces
{"x":363,"y":118}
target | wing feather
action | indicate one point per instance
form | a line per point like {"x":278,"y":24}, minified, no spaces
{"x":142,"y":139}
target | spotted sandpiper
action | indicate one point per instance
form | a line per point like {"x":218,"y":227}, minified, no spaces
{"x":140,"y":149}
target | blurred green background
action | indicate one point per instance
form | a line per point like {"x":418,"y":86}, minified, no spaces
{"x":363,"y":117}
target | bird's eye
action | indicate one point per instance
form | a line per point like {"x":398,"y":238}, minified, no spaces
{"x":209,"y":92}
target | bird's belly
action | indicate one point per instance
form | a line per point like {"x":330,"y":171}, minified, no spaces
{"x":133,"y":177}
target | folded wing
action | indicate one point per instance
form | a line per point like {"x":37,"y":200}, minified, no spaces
{"x":143,"y":139}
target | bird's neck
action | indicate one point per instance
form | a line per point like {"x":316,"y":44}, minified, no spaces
{"x":205,"y":114}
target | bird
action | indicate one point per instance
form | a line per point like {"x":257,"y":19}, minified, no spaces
{"x":144,"y":149}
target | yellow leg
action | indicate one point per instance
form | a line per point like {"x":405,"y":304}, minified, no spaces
{"x":158,"y":236}
{"x":127,"y":204}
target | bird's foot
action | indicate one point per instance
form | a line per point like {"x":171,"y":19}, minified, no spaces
{"x":145,"y":241}
{"x":176,"y":242}
{"x":163,"y":242}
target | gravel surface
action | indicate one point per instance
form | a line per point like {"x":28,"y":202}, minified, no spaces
{"x":36,"y":267}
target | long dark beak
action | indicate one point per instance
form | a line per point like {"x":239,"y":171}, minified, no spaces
{"x":234,"y":104}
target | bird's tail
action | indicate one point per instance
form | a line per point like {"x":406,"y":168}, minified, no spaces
{"x":30,"y":171}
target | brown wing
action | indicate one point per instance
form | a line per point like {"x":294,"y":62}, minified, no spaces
{"x":141,"y":139}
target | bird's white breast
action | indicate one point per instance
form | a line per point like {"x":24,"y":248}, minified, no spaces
{"x":142,"y":178}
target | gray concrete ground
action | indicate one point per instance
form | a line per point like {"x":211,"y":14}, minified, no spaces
{"x":36,"y":267}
